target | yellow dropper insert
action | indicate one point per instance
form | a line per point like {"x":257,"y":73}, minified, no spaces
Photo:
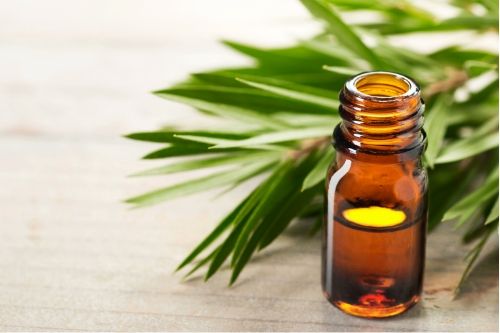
{"x":374,"y":216}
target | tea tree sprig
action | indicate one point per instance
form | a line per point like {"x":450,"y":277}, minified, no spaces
{"x":281,"y":110}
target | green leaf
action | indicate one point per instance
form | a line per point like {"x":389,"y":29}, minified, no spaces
{"x":435,"y":126}
{"x":307,"y":77}
{"x":396,"y":10}
{"x":344,"y":34}
{"x":201,"y":263}
{"x":314,"y":208}
{"x":290,"y":206}
{"x":491,"y":6}
{"x":278,"y":136}
{"x":493,"y":215}
{"x":169,"y":136}
{"x":457,"y":55}
{"x":441,"y":179}
{"x":244,"y":96}
{"x":467,"y":22}
{"x":239,"y":182}
{"x":274,"y":190}
{"x":348,"y":5}
{"x":197,"y":185}
{"x":225,"y":159}
{"x":226,"y":111}
{"x":219,"y":144}
{"x":269,"y":232}
{"x":223,"y":252}
{"x":318,"y":173}
{"x":335,"y":51}
{"x":482,"y":113}
{"x":413,"y":64}
{"x":455,"y":23}
{"x":286,"y":214}
{"x":238,"y":221}
{"x":296,"y":203}
{"x":476,"y":68}
{"x":400,"y":8}
{"x":468,"y":147}
{"x":475,"y":230}
{"x":308,"y":120}
{"x":212,"y":236}
{"x":487,"y":92}
{"x":472,"y":257}
{"x":348,"y":71}
{"x":157,"y":136}
{"x":244,"y":258}
{"x":285,"y":59}
{"x":180,"y":150}
{"x":472,"y":202}
{"x":296,"y":92}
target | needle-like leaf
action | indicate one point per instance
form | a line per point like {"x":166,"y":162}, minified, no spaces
{"x":286,"y":59}
{"x":468,"y":147}
{"x":170,"y":136}
{"x":221,"y":227}
{"x":296,"y":92}
{"x":275,"y":190}
{"x":278,"y":136}
{"x":179,"y":151}
{"x":245,"y":96}
{"x":471,"y":202}
{"x":435,"y":126}
{"x":347,"y":71}
{"x":226,"y":111}
{"x":472,"y":257}
{"x":197,"y":185}
{"x":344,"y":34}
{"x":239,"y":221}
{"x":493,"y":215}
{"x":289,"y":206}
{"x":318,"y":172}
{"x":224,"y":251}
{"x":217,"y":160}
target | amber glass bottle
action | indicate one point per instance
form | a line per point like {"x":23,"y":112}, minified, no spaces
{"x":376,"y":198}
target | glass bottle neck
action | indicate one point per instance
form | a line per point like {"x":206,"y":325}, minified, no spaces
{"x":382,"y":113}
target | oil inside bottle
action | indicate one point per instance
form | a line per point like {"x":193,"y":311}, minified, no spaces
{"x":377,"y":260}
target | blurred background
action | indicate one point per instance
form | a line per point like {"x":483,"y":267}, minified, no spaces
{"x":74,"y":77}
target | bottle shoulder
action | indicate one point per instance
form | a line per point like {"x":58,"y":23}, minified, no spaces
{"x":406,"y":179}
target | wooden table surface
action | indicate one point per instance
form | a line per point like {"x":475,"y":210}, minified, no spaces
{"x":74,"y":76}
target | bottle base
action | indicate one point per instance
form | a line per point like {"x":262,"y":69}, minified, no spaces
{"x":375,"y":311}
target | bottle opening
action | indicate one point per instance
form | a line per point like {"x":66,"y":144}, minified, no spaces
{"x":382,"y":85}
{"x":381,"y":112}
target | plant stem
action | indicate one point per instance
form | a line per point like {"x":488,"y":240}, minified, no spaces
{"x":306,"y":147}
{"x":454,"y":79}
